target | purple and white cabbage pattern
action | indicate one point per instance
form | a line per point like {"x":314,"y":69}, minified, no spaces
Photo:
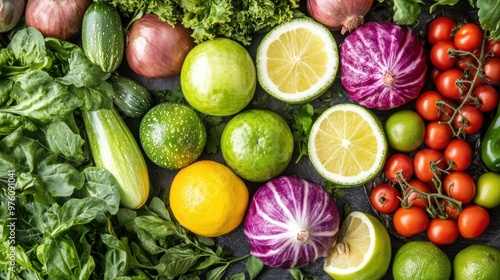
{"x":291,"y":222}
{"x":383,"y":65}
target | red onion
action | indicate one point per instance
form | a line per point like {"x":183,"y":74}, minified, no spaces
{"x":339,"y":14}
{"x":10,"y":14}
{"x":61,"y":19}
{"x":156,"y":49}
{"x":291,"y":222}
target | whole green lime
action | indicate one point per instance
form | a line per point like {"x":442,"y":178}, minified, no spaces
{"x":477,"y":261}
{"x":172,"y":135}
{"x":218,"y":77}
{"x":421,"y":260}
{"x":488,"y":190}
{"x":257,"y":144}
{"x":405,"y":130}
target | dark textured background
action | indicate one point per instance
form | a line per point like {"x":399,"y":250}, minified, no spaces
{"x":355,"y":197}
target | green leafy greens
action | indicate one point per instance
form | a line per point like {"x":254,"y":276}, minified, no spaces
{"x":237,"y":20}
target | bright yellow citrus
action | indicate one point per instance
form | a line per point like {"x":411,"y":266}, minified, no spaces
{"x":347,"y":145}
{"x":208,"y":198}
{"x":363,"y":249}
{"x":297,"y":60}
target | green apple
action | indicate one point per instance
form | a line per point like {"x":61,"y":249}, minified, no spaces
{"x":218,"y":77}
{"x":257,"y":144}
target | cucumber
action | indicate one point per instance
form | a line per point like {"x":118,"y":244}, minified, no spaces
{"x":114,"y":148}
{"x":103,"y":39}
{"x":131,"y":98}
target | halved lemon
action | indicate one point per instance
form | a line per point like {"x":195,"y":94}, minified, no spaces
{"x":363,"y":249}
{"x":347,"y":145}
{"x":297,"y":60}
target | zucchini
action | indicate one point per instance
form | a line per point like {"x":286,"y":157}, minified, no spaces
{"x":114,"y":148}
{"x":130,"y":98}
{"x":103,"y":39}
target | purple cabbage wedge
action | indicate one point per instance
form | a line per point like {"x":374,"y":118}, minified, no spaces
{"x":291,"y":222}
{"x":383,"y":65}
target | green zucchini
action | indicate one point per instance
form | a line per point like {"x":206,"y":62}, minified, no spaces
{"x":130,"y":98}
{"x":114,"y":148}
{"x":103,"y":40}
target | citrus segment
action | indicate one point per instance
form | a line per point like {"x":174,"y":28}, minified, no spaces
{"x":347,"y":145}
{"x":363,"y":249}
{"x":297,"y":60}
{"x":208,"y":198}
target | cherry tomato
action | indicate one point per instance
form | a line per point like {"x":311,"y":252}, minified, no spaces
{"x":458,"y":154}
{"x":433,"y":74}
{"x":468,"y":37}
{"x":398,"y":163}
{"x":488,"y":97}
{"x":452,"y":210}
{"x":470,"y":120}
{"x":447,"y":83}
{"x":422,"y":162}
{"x":442,"y":231}
{"x":473,"y":221}
{"x":467,"y":61}
{"x":385,"y":198}
{"x":491,"y":69}
{"x":414,"y":198}
{"x":493,"y":47}
{"x":410,"y":221}
{"x":429,"y":109}
{"x":440,"y":55}
{"x":459,"y":185}
{"x":441,"y":29}
{"x":437,"y":135}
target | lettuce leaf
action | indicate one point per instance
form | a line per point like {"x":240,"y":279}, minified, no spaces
{"x":488,"y":17}
{"x":238,"y":20}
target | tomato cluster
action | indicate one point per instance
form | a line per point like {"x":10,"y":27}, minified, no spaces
{"x":431,"y":190}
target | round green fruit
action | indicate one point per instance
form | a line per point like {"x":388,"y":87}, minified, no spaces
{"x":172,"y":135}
{"x":218,"y":77}
{"x":257,"y":145}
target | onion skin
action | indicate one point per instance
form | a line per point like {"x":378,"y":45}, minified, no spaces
{"x":61,"y":19}
{"x":383,"y":65}
{"x":155,"y":49}
{"x":291,"y":222}
{"x":10,"y":13}
{"x":344,"y":15}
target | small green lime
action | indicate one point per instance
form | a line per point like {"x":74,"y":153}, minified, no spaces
{"x":172,"y":135}
{"x":488,"y":190}
{"x":421,"y":260}
{"x":218,"y":77}
{"x":477,"y":261}
{"x":257,"y":144}
{"x":405,"y":130}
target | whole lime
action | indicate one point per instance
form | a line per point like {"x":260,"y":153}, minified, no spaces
{"x":257,"y":144}
{"x":172,"y":135}
{"x":405,"y":130}
{"x":477,"y":261}
{"x":218,"y":77}
{"x":421,"y":260}
{"x":488,"y":190}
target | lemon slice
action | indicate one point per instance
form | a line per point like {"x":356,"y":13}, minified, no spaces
{"x":297,"y":60}
{"x":347,"y":145}
{"x":363,"y":249}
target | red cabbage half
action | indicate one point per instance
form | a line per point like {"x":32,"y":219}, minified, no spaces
{"x":291,"y":222}
{"x":383,"y":65}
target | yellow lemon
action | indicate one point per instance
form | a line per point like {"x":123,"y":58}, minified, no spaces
{"x":208,"y":198}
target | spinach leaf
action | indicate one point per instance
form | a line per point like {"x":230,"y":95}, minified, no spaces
{"x":177,"y":261}
{"x":100,"y":183}
{"x":488,"y":17}
{"x":115,"y":258}
{"x":59,"y":179}
{"x":65,"y":142}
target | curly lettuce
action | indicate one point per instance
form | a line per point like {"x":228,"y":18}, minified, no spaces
{"x":237,"y":20}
